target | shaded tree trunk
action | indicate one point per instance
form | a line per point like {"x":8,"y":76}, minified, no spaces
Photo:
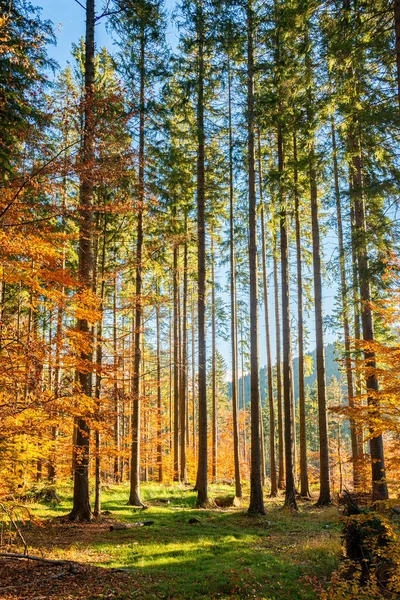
{"x":304,"y":485}
{"x":202,"y":470}
{"x":134,"y":493}
{"x":234,"y":345}
{"x":281,"y":447}
{"x":256,"y":492}
{"x":290,"y":493}
{"x":355,"y":450}
{"x":379,"y":486}
{"x":159,"y":397}
{"x":213,"y":366}
{"x":81,"y":509}
{"x":274,"y":484}
{"x":176,"y":364}
{"x":183,"y":386}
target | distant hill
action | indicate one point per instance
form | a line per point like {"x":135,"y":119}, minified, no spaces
{"x":332,"y":370}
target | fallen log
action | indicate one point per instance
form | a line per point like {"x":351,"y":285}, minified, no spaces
{"x":30,"y":557}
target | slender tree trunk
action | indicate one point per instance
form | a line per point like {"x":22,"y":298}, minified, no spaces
{"x":159,"y":397}
{"x":99,"y":363}
{"x":304,"y":485}
{"x":290,"y":493}
{"x":256,"y":491}
{"x":274,"y":485}
{"x":193,"y":329}
{"x":115,"y":387}
{"x":202,"y":470}
{"x":234,"y":349}
{"x":176,"y":364}
{"x":397,"y":32}
{"x":134,"y":494}
{"x":272,"y":453}
{"x":213,"y":365}
{"x":183,"y":390}
{"x":355,"y":451}
{"x":81,"y":509}
{"x":281,"y":447}
{"x":171,"y":354}
{"x":324,"y":492}
{"x":379,"y":486}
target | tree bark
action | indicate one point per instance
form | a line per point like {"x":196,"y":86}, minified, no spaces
{"x":213,"y":366}
{"x":183,"y":395}
{"x":134,"y":494}
{"x":290,"y":493}
{"x":81,"y":509}
{"x":379,"y":486}
{"x":176,"y":364}
{"x":202,"y":470}
{"x":355,"y":451}
{"x":397,"y":33}
{"x":304,"y":485}
{"x":159,"y":397}
{"x":234,"y":345}
{"x":99,"y":362}
{"x":274,"y":483}
{"x":256,"y":491}
{"x":281,"y":447}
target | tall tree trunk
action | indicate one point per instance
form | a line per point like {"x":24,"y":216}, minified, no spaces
{"x":99,"y":363}
{"x":134,"y":493}
{"x":183,"y":386}
{"x":256,"y":491}
{"x":397,"y":32}
{"x":81,"y":509}
{"x":202,"y":470}
{"x":213,"y":365}
{"x":281,"y":446}
{"x":234,"y":345}
{"x":171,"y":355}
{"x":379,"y":487}
{"x":304,"y":485}
{"x":193,"y":329}
{"x":324,"y":491}
{"x":159,"y":397}
{"x":115,"y":386}
{"x":290,"y":493}
{"x":274,"y":485}
{"x":272,"y":453}
{"x":176,"y":363}
{"x":355,"y":451}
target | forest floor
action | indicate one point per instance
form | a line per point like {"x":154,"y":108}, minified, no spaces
{"x":227,"y":554}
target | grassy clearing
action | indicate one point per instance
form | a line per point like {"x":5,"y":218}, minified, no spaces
{"x":227,"y":555}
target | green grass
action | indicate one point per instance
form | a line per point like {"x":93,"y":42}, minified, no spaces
{"x":227,"y":555}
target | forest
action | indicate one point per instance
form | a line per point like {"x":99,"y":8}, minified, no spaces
{"x":200,"y":299}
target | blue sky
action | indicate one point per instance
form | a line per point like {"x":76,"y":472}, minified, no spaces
{"x":69,"y":21}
